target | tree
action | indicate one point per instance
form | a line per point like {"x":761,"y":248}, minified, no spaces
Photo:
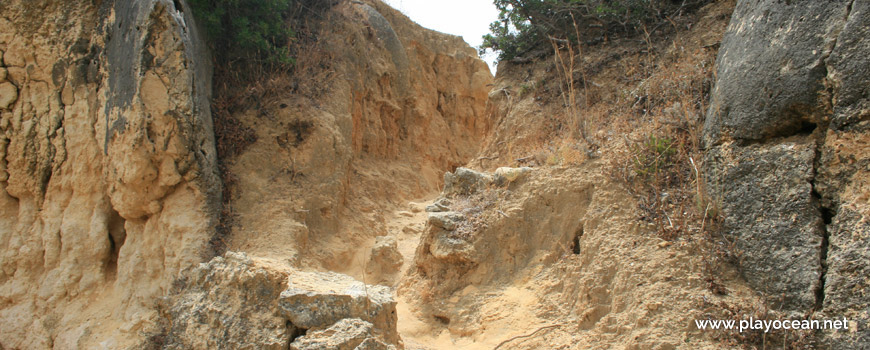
{"x":526,"y":24}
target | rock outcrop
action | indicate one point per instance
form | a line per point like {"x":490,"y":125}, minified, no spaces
{"x":237,"y":302}
{"x":108,"y":186}
{"x":787,"y":132}
{"x":318,"y":300}
{"x":491,"y":232}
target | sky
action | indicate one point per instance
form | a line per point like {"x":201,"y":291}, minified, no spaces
{"x":469,"y":19}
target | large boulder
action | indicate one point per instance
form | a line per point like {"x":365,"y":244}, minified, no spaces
{"x":772,"y":69}
{"x":237,"y":302}
{"x":317,"y":300}
{"x":227,"y":303}
{"x":787,"y":138}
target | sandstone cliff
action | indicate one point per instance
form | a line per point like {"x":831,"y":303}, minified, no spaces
{"x":108,"y":182}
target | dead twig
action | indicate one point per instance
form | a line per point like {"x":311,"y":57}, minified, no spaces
{"x":526,"y":335}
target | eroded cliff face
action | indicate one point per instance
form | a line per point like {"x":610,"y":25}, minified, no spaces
{"x":399,"y":105}
{"x":787,"y":132}
{"x":108,"y":187}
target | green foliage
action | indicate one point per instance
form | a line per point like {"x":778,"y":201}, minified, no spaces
{"x":655,"y":155}
{"x":525,"y":24}
{"x":247,"y":29}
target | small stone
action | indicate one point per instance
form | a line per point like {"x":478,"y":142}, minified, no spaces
{"x":507,"y":174}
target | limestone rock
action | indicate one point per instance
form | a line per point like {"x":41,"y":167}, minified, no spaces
{"x":770,"y":213}
{"x":451,"y":249}
{"x":227,"y":303}
{"x":508,"y":175}
{"x":788,"y":133}
{"x":770,"y":81}
{"x":347,"y":334}
{"x":384,"y":261}
{"x":374,"y":344}
{"x":440,"y":205}
{"x":447,"y":220}
{"x":237,"y":302}
{"x":316,"y":300}
{"x":464,"y":181}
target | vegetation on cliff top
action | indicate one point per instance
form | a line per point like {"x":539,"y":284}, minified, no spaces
{"x":524,"y":25}
{"x":247,"y":29}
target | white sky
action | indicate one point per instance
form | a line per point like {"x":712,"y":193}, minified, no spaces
{"x":469,"y":19}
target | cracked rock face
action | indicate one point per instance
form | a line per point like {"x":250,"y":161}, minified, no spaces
{"x":787,"y":138}
{"x":770,"y":213}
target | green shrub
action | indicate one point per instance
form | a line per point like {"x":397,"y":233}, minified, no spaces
{"x":654,"y":156}
{"x":525,"y":24}
{"x":255,"y":30}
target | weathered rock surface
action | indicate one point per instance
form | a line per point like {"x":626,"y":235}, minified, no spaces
{"x":384,"y":261}
{"x":465,"y":181}
{"x":347,"y":334}
{"x":504,"y":230}
{"x":509,"y":175}
{"x":237,"y":302}
{"x":772,"y":69}
{"x":317,"y":300}
{"x":108,"y":183}
{"x":770,"y":212}
{"x":227,"y":303}
{"x":796,"y":75}
{"x":447,"y":220}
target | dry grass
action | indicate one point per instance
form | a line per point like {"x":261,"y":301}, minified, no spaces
{"x":644,"y":102}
